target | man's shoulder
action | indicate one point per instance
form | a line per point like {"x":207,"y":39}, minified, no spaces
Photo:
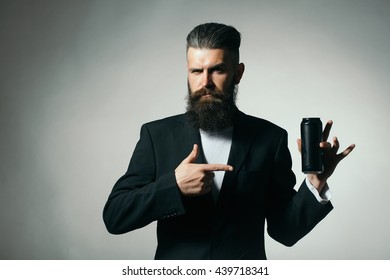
{"x":174,"y":120}
{"x":259,"y":124}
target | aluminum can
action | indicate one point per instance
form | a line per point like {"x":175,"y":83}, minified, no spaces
{"x":311,"y":135}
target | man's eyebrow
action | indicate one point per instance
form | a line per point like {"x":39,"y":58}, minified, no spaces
{"x":221,"y":65}
{"x":194,"y":68}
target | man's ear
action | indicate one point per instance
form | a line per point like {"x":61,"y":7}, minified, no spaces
{"x":239,"y":72}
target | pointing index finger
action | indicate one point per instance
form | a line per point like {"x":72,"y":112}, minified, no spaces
{"x":217,"y":167}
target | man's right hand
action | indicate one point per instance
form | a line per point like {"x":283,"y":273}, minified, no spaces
{"x":196,"y":179}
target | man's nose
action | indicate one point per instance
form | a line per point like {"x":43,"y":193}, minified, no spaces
{"x":207,"y":81}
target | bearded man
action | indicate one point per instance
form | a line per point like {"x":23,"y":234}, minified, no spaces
{"x":211,"y":177}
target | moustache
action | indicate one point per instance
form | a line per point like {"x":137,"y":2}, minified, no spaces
{"x":206,"y":91}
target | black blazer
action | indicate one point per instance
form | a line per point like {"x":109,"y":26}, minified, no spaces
{"x":260,"y":188}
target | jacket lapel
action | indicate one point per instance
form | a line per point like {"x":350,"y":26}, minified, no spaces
{"x":241,"y":144}
{"x":188,"y":136}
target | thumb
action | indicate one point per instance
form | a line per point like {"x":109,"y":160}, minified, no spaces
{"x":193,"y":155}
{"x":299,"y":143}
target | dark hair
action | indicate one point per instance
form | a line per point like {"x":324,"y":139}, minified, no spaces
{"x":215,"y":36}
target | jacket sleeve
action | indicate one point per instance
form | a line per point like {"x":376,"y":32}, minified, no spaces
{"x":139,"y":197}
{"x":290,"y":214}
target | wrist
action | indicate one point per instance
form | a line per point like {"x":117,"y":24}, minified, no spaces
{"x":316,"y":182}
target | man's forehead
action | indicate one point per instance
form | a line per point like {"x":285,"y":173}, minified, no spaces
{"x":206,"y":56}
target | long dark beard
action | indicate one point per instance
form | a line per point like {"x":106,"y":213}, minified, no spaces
{"x":212,"y":113}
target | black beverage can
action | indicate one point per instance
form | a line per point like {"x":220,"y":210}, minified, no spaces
{"x":311,"y":135}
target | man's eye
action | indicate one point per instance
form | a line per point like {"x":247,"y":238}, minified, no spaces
{"x":219,"y":70}
{"x":196,"y":71}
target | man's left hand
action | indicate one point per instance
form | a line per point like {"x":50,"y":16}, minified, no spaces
{"x":330,"y":157}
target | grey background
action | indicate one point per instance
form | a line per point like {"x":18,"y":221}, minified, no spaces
{"x":78,"y":78}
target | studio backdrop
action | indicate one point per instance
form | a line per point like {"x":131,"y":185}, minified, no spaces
{"x":79,"y":78}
